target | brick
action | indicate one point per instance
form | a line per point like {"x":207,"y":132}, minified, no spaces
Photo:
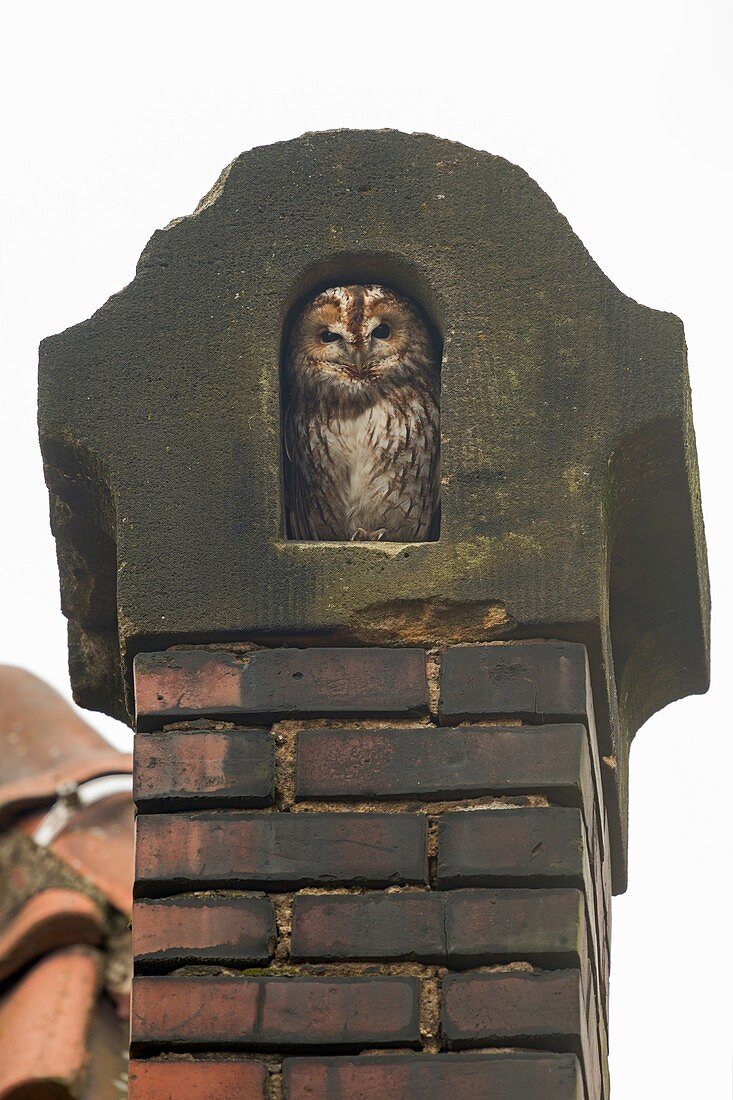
{"x":511,"y":1076}
{"x":207,"y":929}
{"x":595,"y":1050}
{"x":458,"y":927}
{"x":407,"y":926}
{"x":599,"y":913}
{"x":511,"y":847}
{"x":215,"y":1080}
{"x":461,"y":763}
{"x":546,"y":928}
{"x":551,"y":1010}
{"x":205,"y":768}
{"x":371,"y":764}
{"x":543,"y":927}
{"x":535,"y":681}
{"x":179,"y":1012}
{"x":514,"y":1008}
{"x":280,"y":683}
{"x":237,"y":849}
{"x":538,"y":848}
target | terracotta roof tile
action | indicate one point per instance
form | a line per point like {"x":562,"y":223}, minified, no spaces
{"x":52,"y":919}
{"x":66,"y":839}
{"x":44,"y":1022}
{"x":97,"y":843}
{"x":45,"y":743}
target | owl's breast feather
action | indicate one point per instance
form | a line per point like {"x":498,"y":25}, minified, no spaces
{"x":378,"y":465}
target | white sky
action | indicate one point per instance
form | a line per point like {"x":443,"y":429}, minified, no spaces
{"x":116,"y":118}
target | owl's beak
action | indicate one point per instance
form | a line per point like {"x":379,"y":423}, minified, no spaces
{"x":358,"y":356}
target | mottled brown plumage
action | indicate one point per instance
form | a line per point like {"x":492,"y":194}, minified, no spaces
{"x":362,"y":431}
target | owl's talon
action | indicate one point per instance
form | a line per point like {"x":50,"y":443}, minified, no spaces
{"x":362,"y":535}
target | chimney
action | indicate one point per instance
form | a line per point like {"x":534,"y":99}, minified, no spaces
{"x":381,"y":787}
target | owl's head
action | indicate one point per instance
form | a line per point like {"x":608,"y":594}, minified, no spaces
{"x":358,"y":337}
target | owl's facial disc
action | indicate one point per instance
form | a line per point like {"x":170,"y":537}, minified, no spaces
{"x":365,"y":355}
{"x":355,"y":336}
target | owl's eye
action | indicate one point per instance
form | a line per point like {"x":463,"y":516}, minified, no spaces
{"x":381,"y":332}
{"x":329,"y":337}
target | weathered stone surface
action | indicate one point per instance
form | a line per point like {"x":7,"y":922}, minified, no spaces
{"x":570,"y":501}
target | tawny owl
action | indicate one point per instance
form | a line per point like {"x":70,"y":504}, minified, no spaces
{"x":362,"y":433}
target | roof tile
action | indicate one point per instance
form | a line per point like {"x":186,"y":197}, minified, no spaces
{"x":45,"y":743}
{"x":44,"y":1021}
{"x":97,"y":843}
{"x":52,"y":919}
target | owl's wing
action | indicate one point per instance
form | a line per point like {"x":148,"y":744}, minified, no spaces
{"x":434,"y":528}
{"x":300,"y":510}
{"x":408,"y":471}
{"x":296,"y":511}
